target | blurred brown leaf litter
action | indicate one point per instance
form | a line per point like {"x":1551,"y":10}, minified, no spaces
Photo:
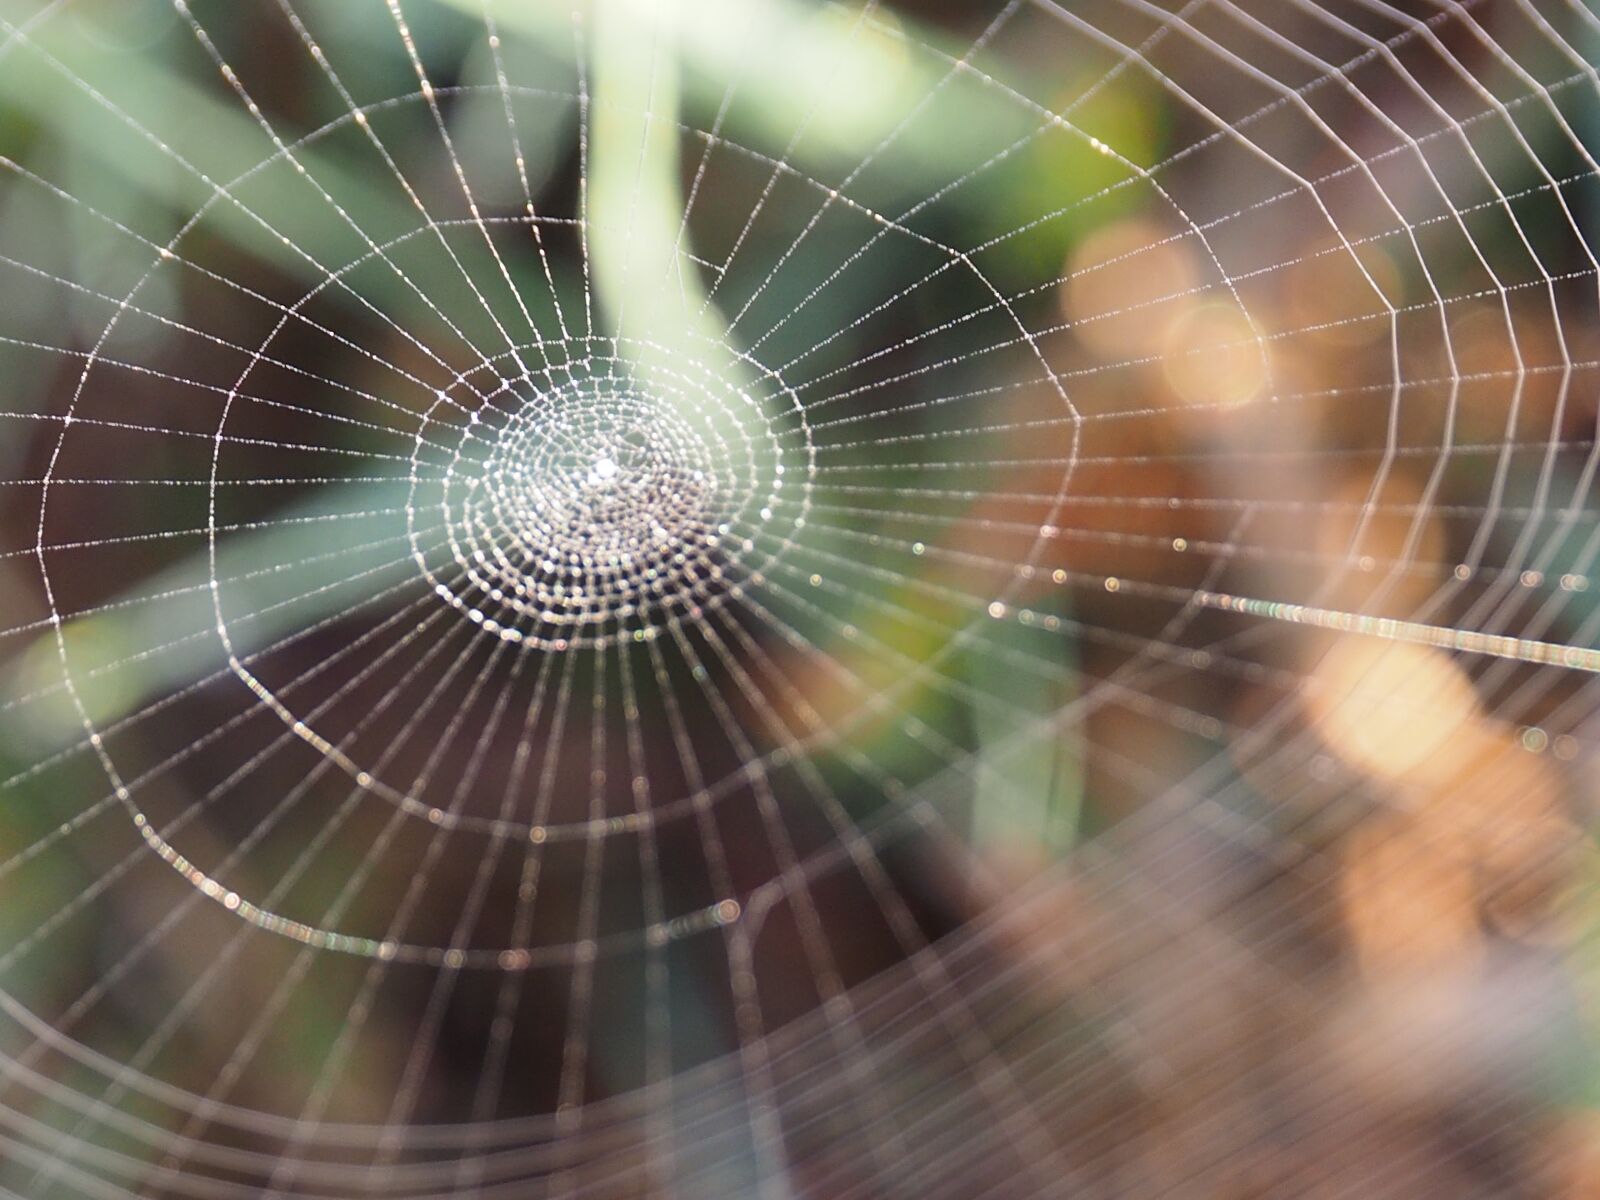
{"x":799,"y":599}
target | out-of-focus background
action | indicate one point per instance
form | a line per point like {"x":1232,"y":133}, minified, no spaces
{"x":756,"y":597}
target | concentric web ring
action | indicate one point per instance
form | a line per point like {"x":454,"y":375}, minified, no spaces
{"x":607,"y":502}
{"x":642,"y":598}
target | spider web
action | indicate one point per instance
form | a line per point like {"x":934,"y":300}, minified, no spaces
{"x":737,"y":599}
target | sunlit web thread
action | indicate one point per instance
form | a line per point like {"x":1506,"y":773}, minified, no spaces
{"x":877,"y":575}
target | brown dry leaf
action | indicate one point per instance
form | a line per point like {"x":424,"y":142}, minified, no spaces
{"x":1408,"y":900}
{"x":1398,"y":712}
